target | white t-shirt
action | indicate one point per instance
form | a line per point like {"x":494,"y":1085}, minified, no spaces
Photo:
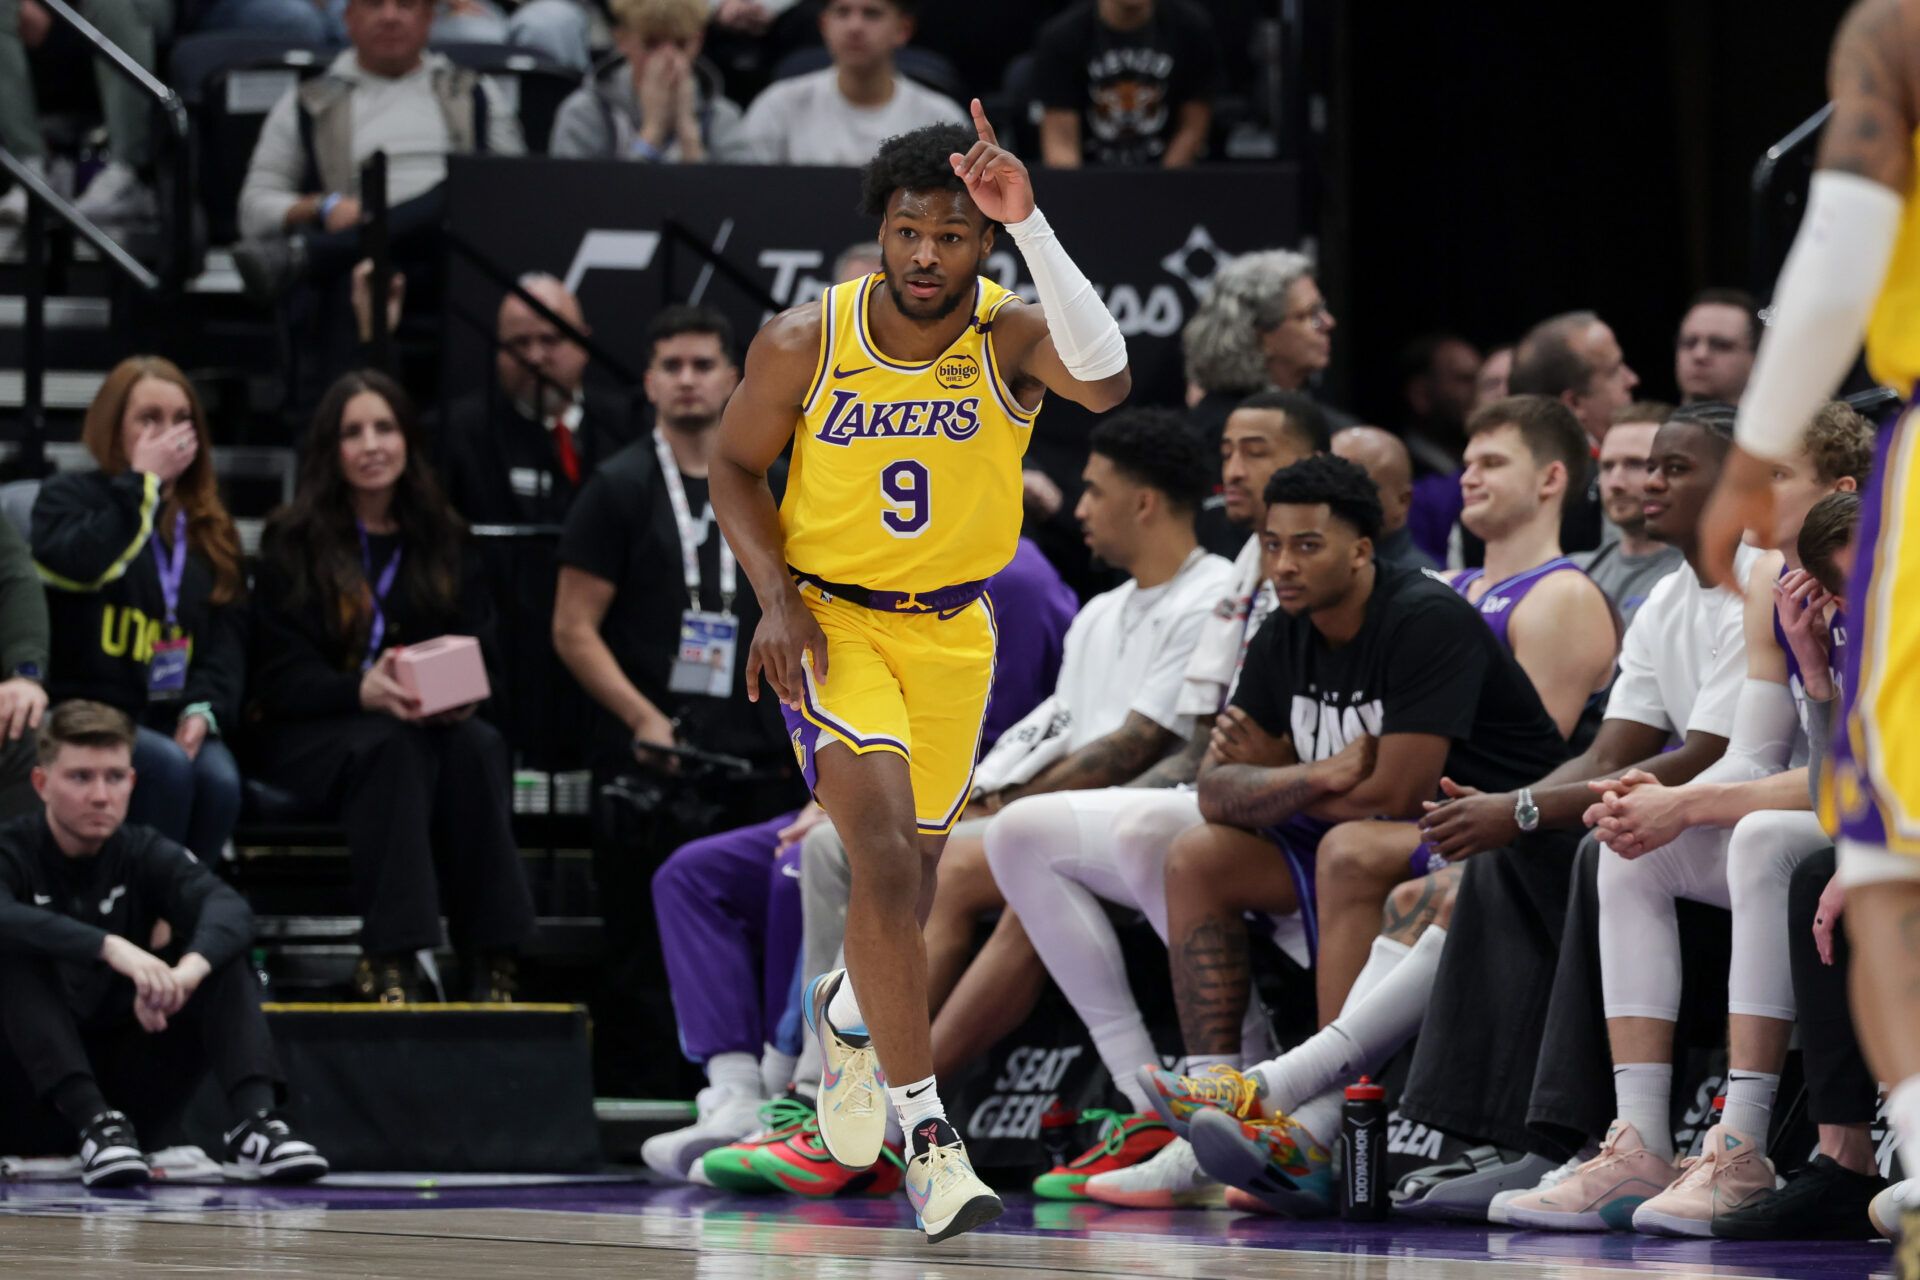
{"x":807,"y":120}
{"x":1222,"y":646}
{"x":1127,"y":650}
{"x":1685,"y":655}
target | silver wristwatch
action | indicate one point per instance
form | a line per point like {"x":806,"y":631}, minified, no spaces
{"x":1526,"y":814}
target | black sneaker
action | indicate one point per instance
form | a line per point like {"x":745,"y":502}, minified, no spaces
{"x":387,"y":979}
{"x":263,"y":1149}
{"x":1824,"y":1201}
{"x":110,"y":1154}
{"x":494,"y":978}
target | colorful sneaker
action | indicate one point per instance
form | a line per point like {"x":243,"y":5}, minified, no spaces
{"x":946,"y":1194}
{"x":723,"y":1117}
{"x":1124,"y":1142}
{"x":1278,"y":1161}
{"x":1221,"y":1089}
{"x":1728,"y":1174}
{"x":852,"y":1110}
{"x":1601,"y":1194}
{"x":801,"y":1164}
{"x":1888,"y":1210}
{"x":1169,"y":1179}
{"x":730,"y":1168}
{"x":1497,"y":1207}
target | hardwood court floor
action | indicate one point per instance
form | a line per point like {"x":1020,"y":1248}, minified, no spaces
{"x":685,"y":1232}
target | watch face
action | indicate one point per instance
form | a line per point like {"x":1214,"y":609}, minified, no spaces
{"x":30,"y":670}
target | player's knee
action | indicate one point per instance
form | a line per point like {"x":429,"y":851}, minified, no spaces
{"x":891,"y":871}
{"x":1021,"y":832}
{"x":1192,"y":863}
{"x":1342,"y":861}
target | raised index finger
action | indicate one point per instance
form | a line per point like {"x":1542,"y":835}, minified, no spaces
{"x":980,"y":124}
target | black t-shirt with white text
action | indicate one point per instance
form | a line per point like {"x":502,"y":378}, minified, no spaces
{"x":1126,"y":86}
{"x":1424,"y":661}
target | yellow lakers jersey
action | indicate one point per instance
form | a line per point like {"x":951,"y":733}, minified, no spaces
{"x":1893,"y":332}
{"x":905,"y":477}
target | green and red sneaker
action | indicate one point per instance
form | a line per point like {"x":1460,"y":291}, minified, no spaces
{"x":799,"y":1163}
{"x":730,"y":1168}
{"x":1125,"y":1141}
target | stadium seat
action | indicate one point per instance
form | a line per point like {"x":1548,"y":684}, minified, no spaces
{"x":534,"y":86}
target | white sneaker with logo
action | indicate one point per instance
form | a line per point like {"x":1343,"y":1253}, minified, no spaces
{"x":1172,"y":1179}
{"x":722,"y":1116}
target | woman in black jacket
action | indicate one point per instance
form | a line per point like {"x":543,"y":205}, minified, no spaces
{"x":366,"y":559}
{"x":145,"y":597}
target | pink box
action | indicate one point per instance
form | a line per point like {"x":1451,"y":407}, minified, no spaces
{"x":443,"y":673}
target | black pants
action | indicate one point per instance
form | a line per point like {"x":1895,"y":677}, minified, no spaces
{"x":16,"y":777}
{"x":428,"y":815}
{"x":148,"y":1075}
{"x":1473,"y":1065}
{"x":1840,"y":1088}
{"x":1572,"y":1102}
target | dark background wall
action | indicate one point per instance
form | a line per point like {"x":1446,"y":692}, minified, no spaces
{"x":1493,"y":163}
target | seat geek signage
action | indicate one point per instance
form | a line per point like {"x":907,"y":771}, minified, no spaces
{"x":1149,"y":240}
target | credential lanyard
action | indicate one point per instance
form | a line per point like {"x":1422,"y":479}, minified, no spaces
{"x":381,"y":587}
{"x":692,"y":535}
{"x":172,"y":566}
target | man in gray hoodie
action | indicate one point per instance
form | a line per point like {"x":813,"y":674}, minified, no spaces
{"x":661,"y":102}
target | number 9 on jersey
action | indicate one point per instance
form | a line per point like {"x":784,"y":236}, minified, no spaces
{"x":904,"y":486}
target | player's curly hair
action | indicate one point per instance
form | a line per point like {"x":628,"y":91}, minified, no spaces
{"x":1159,"y":449}
{"x":1344,"y":486}
{"x":915,"y":161}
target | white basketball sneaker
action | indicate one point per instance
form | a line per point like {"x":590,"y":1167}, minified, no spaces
{"x":723,"y":1116}
{"x":1172,"y":1179}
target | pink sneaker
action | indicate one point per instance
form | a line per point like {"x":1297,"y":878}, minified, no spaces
{"x":1728,"y":1173}
{"x":1602,"y":1194}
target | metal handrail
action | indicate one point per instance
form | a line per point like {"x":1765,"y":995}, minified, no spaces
{"x":1766,"y":261}
{"x":39,"y":192}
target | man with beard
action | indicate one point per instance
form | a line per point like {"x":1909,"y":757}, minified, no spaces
{"x":1627,"y":567}
{"x":908,"y":401}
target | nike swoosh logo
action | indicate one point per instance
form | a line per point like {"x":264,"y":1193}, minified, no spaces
{"x":790,"y":870}
{"x":914,"y":1093}
{"x":838,"y":372}
{"x":42,"y":900}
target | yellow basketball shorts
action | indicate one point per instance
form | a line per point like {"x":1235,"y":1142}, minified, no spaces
{"x":915,"y":684}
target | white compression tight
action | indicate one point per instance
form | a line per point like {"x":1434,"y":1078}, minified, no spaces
{"x":1056,"y":857}
{"x":1745,"y":869}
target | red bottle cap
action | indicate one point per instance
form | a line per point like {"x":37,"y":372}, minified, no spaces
{"x":1720,"y":1103}
{"x":1366,"y":1091}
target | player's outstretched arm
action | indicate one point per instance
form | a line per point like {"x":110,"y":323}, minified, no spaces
{"x":756,"y":427}
{"x":1835,"y":269}
{"x":1075,"y":348}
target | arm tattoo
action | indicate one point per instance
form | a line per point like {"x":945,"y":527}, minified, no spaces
{"x":1182,"y":766}
{"x":1211,"y":977}
{"x":1404,"y":923}
{"x":1104,"y":762}
{"x":1872,"y":121}
{"x":1251,"y":796}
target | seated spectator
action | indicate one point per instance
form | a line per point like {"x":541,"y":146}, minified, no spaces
{"x":1575,"y":358}
{"x":1713,"y":352}
{"x":861,"y":258}
{"x":1681,"y":667}
{"x":369,"y":558}
{"x":519,"y":451}
{"x":660,"y":101}
{"x":1730,"y":838}
{"x":842,"y":113}
{"x":1626,"y":567}
{"x":122,"y":192}
{"x":91,"y":1013}
{"x":300,"y":206}
{"x":1263,"y":324}
{"x":1439,"y":382}
{"x":1491,"y":384}
{"x":561,"y":31}
{"x":23,"y":660}
{"x":729,"y":909}
{"x":1384,"y":457}
{"x":1369,"y":686}
{"x":1266,"y":430}
{"x":145,"y":586}
{"x":1126,"y":83}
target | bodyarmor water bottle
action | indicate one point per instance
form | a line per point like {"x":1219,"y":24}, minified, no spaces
{"x":1363,"y":1150}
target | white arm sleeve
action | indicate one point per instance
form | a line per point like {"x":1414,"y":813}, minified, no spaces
{"x":1764,"y":725}
{"x":1083,"y":330}
{"x":1820,"y":308}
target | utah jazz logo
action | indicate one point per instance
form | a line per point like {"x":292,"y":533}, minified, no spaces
{"x":957,"y":371}
{"x":850,"y":418}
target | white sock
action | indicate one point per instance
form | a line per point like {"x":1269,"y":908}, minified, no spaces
{"x":1383,"y":1009}
{"x":1200,"y":1064}
{"x":1641,"y":1094}
{"x":1903,"y":1113}
{"x":736,"y":1073}
{"x":1750,"y":1103}
{"x":1122,"y":1043}
{"x":843,"y":1011}
{"x":916,"y":1102}
{"x":1320,"y":1115}
{"x":776,"y":1071}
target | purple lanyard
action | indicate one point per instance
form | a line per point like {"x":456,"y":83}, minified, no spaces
{"x":172,"y":568}
{"x":381,"y":587}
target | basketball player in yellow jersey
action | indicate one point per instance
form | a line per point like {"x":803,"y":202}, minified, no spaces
{"x":908,"y":396}
{"x":1856,"y":267}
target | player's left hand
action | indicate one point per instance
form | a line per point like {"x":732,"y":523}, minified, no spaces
{"x":995,"y":177}
{"x":1467,"y":821}
{"x":1742,"y":500}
